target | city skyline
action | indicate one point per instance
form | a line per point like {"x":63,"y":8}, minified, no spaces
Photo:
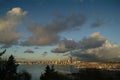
{"x":87,"y":30}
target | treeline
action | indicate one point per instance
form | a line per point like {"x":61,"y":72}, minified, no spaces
{"x":96,"y":74}
{"x":8,"y":71}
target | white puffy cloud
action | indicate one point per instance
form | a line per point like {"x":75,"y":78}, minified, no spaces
{"x":16,"y":12}
{"x":12,"y":18}
{"x":8,"y":23}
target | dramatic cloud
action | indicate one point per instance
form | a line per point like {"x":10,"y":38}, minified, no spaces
{"x":102,"y":50}
{"x":65,"y":45}
{"x":106,"y":52}
{"x":83,"y":56}
{"x":8,"y":33}
{"x":41,"y":36}
{"x":95,"y":40}
{"x":60,"y":48}
{"x":12,"y":18}
{"x":28,"y":51}
{"x":49,"y":34}
{"x":92,"y":48}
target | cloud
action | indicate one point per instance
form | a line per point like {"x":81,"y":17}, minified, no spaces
{"x":45,"y":53}
{"x":98,"y":24}
{"x":95,"y":40}
{"x":106,"y":52}
{"x":8,"y":33}
{"x":28,"y":51}
{"x":16,"y":12}
{"x":92,"y":48}
{"x":49,"y":34}
{"x":41,"y":36}
{"x":82,"y":55}
{"x":100,"y":50}
{"x":12,"y":18}
{"x":60,"y":48}
{"x":65,"y":45}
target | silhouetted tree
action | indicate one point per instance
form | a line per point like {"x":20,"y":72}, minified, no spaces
{"x":51,"y":74}
{"x":1,"y":53}
{"x":11,"y":66}
{"x":10,"y":69}
{"x":2,"y":66}
{"x":97,"y":74}
{"x":24,"y":76}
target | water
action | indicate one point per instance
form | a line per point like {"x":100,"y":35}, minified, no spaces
{"x":37,"y":70}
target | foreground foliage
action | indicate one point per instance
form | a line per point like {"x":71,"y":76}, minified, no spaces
{"x":8,"y":69}
{"x":51,"y":74}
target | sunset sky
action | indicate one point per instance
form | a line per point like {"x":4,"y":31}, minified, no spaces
{"x":88,"y":30}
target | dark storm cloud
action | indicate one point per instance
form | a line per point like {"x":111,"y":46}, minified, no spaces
{"x":49,"y":34}
{"x":28,"y":51}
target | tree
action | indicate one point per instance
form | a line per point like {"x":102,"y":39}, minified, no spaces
{"x":24,"y":76}
{"x":51,"y":74}
{"x":1,"y":53}
{"x":10,"y":69}
{"x":11,"y":66}
{"x":2,"y":66}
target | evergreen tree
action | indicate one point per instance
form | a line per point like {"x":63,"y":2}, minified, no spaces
{"x":11,"y":66}
{"x":51,"y":74}
{"x":24,"y":76}
{"x":1,"y":53}
{"x":2,"y":66}
{"x":10,"y":69}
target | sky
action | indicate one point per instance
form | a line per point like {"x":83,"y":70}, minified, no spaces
{"x":87,"y":30}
